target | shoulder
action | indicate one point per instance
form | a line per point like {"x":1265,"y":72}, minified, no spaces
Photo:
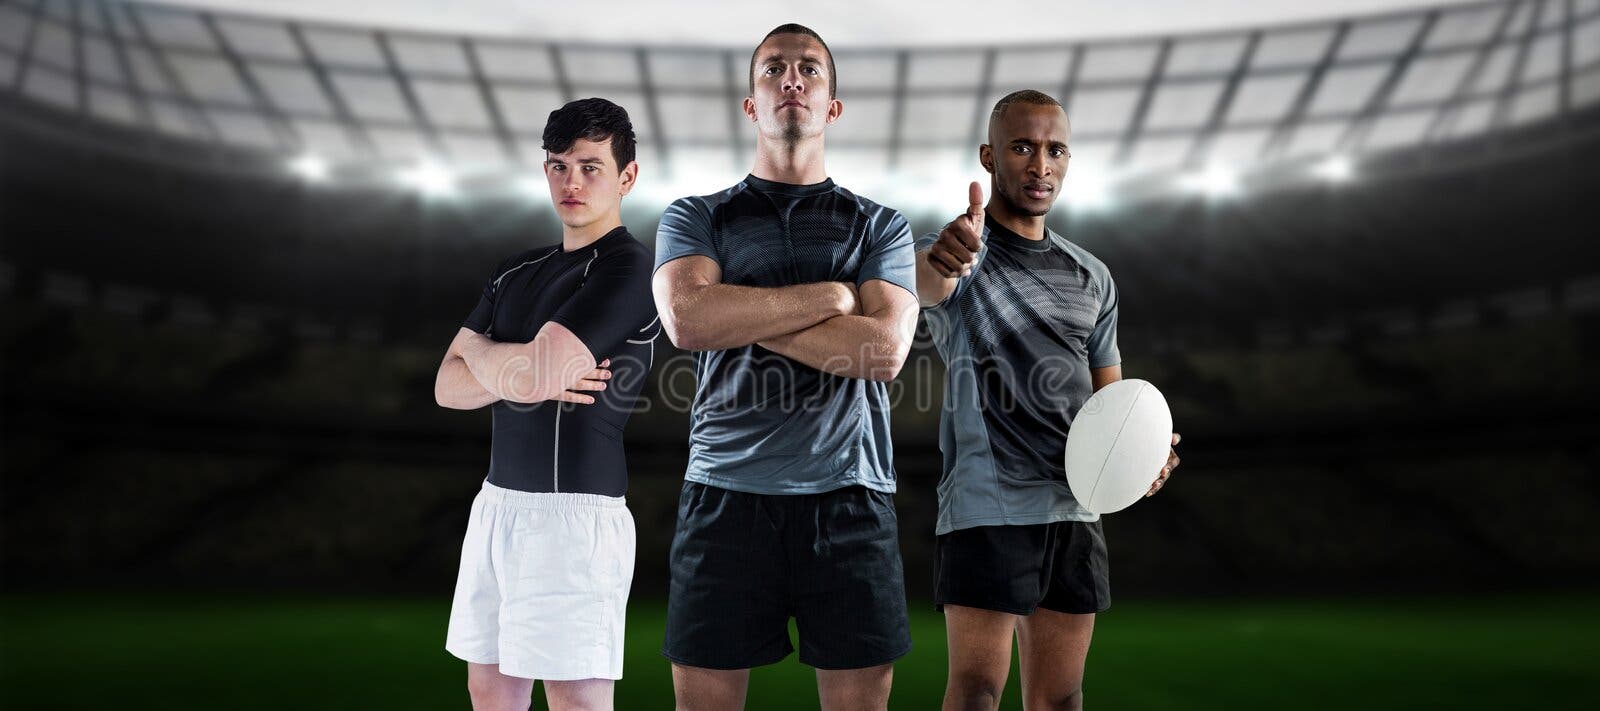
{"x":704,"y":204}
{"x":513,"y":263}
{"x":697,"y":210}
{"x":629,"y":251}
{"x":881,"y":217}
{"x":1095,"y":267}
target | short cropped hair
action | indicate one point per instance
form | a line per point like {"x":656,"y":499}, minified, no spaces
{"x":1024,"y":96}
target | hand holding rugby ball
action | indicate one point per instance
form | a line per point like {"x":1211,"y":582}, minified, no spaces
{"x":1118,"y":445}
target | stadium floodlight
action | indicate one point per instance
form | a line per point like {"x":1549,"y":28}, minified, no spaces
{"x":1216,"y":181}
{"x":1335,"y":169}
{"x":429,"y":179}
{"x":309,"y":167}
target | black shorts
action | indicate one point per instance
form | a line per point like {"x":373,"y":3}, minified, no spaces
{"x":743,"y":564}
{"x":1057,"y":566}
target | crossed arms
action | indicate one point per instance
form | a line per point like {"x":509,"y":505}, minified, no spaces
{"x":831,"y":326}
{"x":478,"y":371}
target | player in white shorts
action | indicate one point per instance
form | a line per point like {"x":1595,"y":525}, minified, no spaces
{"x":559,"y":345}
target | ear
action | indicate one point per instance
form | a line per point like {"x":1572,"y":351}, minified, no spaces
{"x":628,"y":176}
{"x":835,"y":110}
{"x":750,"y":108}
{"x":986,"y":158}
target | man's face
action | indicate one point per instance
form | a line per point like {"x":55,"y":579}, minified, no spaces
{"x":791,"y":98}
{"x":585,"y":183}
{"x":1027,"y":154}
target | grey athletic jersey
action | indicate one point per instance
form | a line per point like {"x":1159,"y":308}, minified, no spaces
{"x":1018,"y":337}
{"x":763,"y":423}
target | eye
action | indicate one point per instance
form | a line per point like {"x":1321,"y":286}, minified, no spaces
{"x":1021,"y":149}
{"x":811,"y":70}
{"x":557,"y":167}
{"x":772,"y":70}
{"x":1057,"y":153}
{"x":589,"y":169}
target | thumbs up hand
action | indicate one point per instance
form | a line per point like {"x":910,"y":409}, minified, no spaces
{"x":956,"y":251}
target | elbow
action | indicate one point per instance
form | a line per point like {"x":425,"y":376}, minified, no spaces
{"x":682,"y":335}
{"x":886,"y":367}
{"x":885,"y":371}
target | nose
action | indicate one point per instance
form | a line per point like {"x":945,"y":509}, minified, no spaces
{"x":1039,"y":166}
{"x":793,"y":81}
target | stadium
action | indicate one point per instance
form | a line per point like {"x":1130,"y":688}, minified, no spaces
{"x":233,"y":247}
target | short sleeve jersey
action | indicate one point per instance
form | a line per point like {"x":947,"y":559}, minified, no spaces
{"x":601,"y":293}
{"x":762,"y":422}
{"x":1018,"y":337}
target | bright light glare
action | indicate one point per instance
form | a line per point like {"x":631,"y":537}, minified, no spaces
{"x":1336,"y":169}
{"x":1216,"y":181}
{"x":533,"y":187}
{"x":429,"y":179}
{"x":310,"y":167}
{"x":1087,"y":189}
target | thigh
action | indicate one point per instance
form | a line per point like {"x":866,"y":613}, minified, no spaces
{"x":850,"y":604}
{"x":700,"y":689}
{"x":1053,"y":647}
{"x":979,"y":643}
{"x":1080,"y":570}
{"x":727,"y":603}
{"x":855,"y":689}
{"x":586,"y":694}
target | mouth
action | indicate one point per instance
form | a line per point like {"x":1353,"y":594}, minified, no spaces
{"x":1038,"y":191}
{"x":569,"y":202}
{"x":791,"y":103}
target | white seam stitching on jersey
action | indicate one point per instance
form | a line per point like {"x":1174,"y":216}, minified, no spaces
{"x":524,"y":264}
{"x":555,"y":470}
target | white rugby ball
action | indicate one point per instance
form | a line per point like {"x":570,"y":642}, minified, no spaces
{"x":1117,"y":445}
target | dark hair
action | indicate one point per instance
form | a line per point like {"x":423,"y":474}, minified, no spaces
{"x":1024,"y":96}
{"x":595,"y":119}
{"x":794,"y":29}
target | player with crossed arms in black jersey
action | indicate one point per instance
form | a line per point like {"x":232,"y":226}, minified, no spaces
{"x":559,"y":344}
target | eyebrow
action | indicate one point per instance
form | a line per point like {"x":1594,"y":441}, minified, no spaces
{"x":1030,"y":142}
{"x":580,"y":160}
{"x":807,"y":57}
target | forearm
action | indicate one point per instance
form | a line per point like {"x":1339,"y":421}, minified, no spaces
{"x":932,"y":288}
{"x":543,"y":369}
{"x":457,"y":388}
{"x":717,"y":316}
{"x":868,"y":347}
{"x":503,"y":369}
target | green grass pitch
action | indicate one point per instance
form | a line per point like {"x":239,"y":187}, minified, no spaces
{"x":105,"y":651}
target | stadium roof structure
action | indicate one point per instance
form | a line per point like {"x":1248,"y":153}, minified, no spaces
{"x":361,"y":104}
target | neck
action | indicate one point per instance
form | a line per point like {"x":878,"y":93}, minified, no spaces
{"x":1026,"y":226}
{"x":574,"y":238}
{"x":798,"y":163}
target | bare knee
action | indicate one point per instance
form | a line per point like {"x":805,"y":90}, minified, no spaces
{"x":974,"y":690}
{"x":865,"y":689}
{"x":493,"y":692}
{"x":1065,"y":698}
{"x":584,"y":695}
{"x":488,"y":696}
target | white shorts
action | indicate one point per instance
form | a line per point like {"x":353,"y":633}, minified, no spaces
{"x":544,"y":584}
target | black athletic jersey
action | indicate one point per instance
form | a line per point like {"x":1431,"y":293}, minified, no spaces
{"x":601,"y":293}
